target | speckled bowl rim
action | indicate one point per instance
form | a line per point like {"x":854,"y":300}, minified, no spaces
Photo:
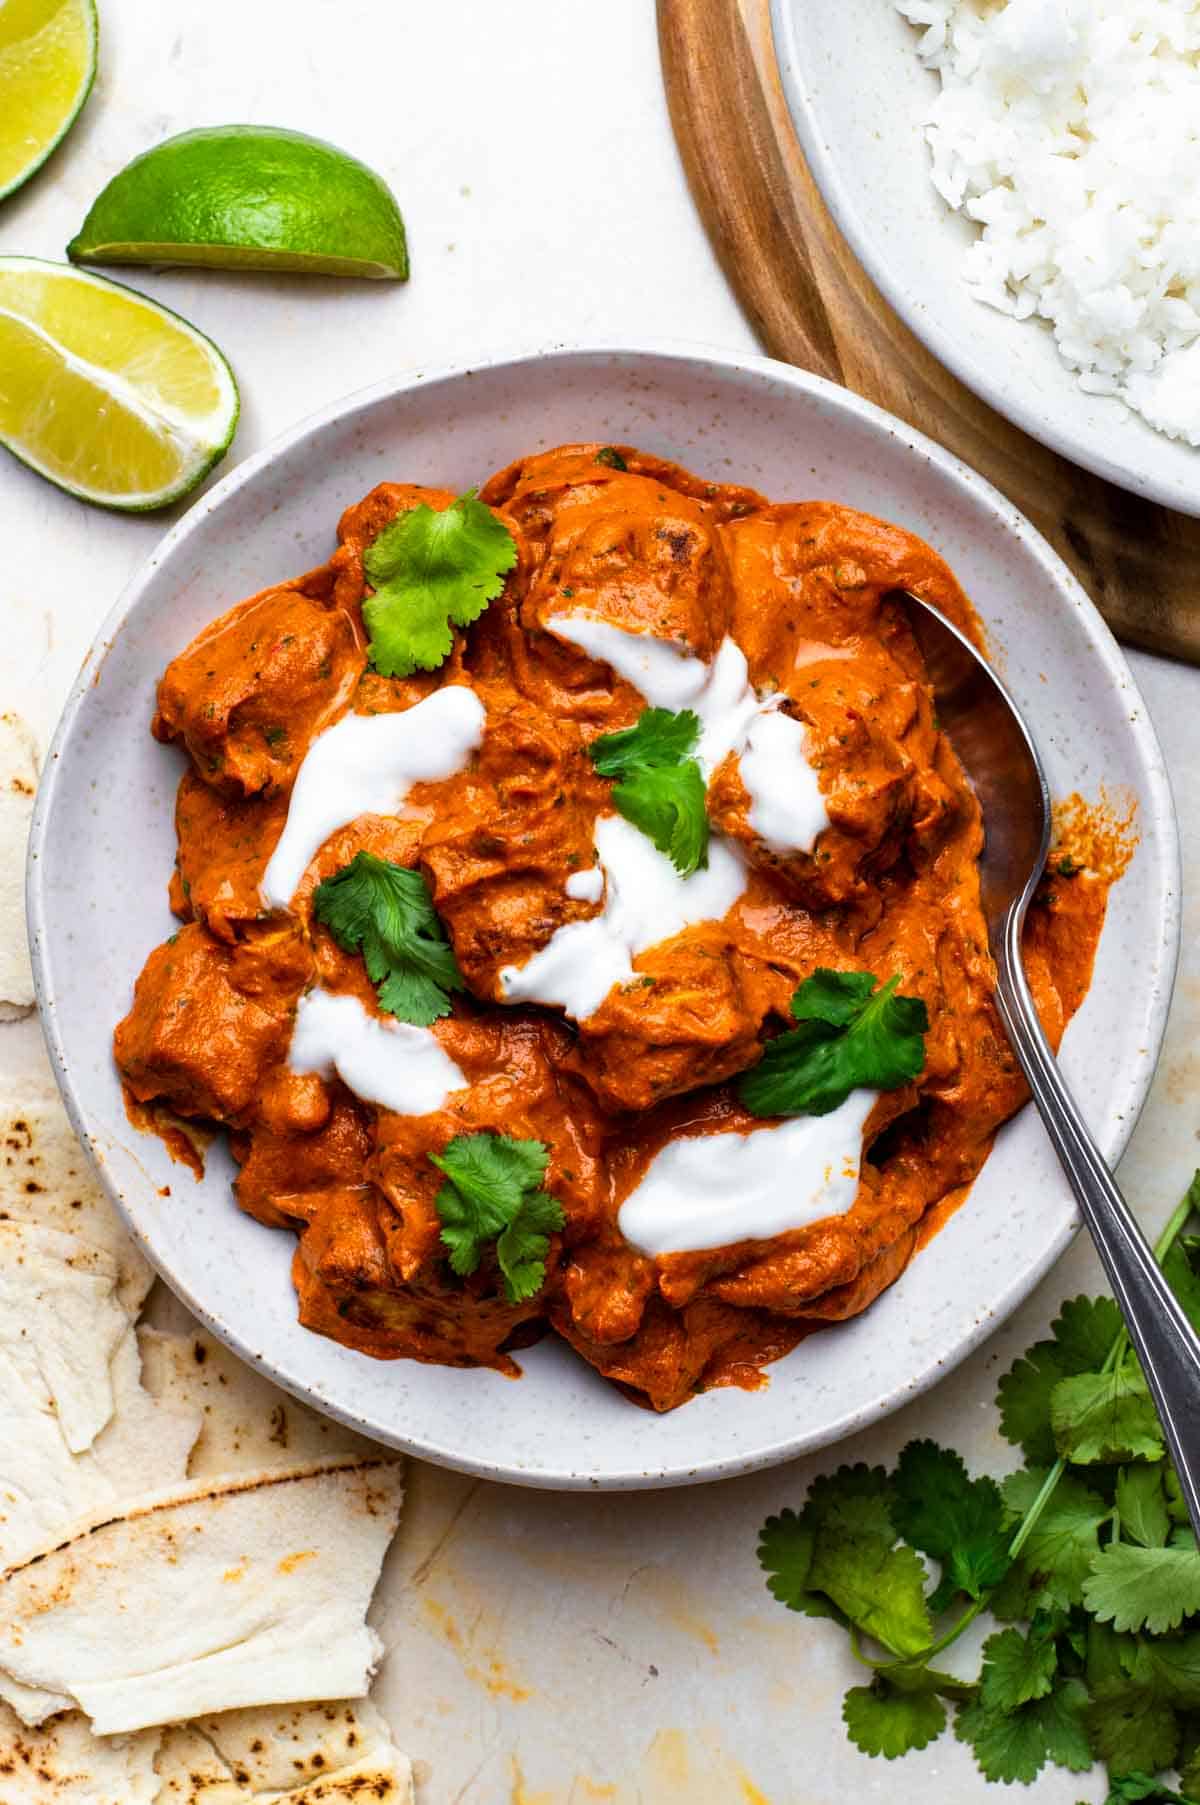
{"x":1040,"y":423}
{"x":932,"y":1365}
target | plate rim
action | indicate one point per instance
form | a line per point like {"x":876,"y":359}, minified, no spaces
{"x":974,"y":376}
{"x":1158,"y":803}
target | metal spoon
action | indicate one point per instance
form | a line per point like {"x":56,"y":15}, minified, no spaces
{"x":999,"y":756}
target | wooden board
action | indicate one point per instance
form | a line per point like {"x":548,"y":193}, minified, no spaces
{"x":811,"y":304}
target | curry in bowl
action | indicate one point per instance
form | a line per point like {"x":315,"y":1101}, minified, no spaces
{"x":580,"y":923}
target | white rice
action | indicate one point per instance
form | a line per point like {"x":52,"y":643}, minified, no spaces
{"x":1070,"y":130}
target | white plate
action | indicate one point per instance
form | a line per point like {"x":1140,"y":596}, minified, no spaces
{"x":859,"y":95}
{"x":103,"y":845}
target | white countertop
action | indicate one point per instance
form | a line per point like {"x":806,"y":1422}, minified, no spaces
{"x":545,"y":1650}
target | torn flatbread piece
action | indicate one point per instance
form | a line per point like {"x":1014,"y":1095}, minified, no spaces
{"x":275,"y":1755}
{"x":46,"y":1178}
{"x":251,"y":1591}
{"x":45,"y":1488}
{"x":336,"y":1754}
{"x":60,"y":1326}
{"x":18,"y":784}
{"x":63,"y":1763}
{"x":247,"y":1423}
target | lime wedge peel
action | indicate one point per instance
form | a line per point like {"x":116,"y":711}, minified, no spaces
{"x":111,"y":396}
{"x":47,"y":67}
{"x":247,"y":197}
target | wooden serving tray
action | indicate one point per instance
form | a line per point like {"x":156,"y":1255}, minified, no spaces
{"x":811,"y":304}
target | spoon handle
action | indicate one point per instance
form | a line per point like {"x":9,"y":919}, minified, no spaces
{"x":1166,"y":1343}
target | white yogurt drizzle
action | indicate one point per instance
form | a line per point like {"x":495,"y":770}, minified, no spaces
{"x":786,"y":805}
{"x":365,"y":764}
{"x":645,"y":901}
{"x":714,"y":1190}
{"x":394,"y":1064}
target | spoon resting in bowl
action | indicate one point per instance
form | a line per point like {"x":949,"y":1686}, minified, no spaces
{"x":998,"y":754}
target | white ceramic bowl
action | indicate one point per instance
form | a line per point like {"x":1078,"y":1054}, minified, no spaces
{"x":859,"y":96}
{"x":103,"y":845}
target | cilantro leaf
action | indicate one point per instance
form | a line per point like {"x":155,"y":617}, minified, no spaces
{"x":384,"y":911}
{"x":883,"y":1593}
{"x":1182,"y":1277}
{"x":1170,"y":1666}
{"x":1142,"y":1505}
{"x":1015,"y":1745}
{"x":1177,"y":1508}
{"x":1064,"y":1723}
{"x":660,"y":788}
{"x":494,"y":1194}
{"x":1016,"y":1669}
{"x":785,"y":1551}
{"x":882,"y":1722}
{"x":659,"y":738}
{"x":1062,"y":1545}
{"x":842,"y":1546}
{"x":855,"y":1500}
{"x":941,"y":1510}
{"x":521,"y":1249}
{"x":850,"y":1035}
{"x":1143,"y":1588}
{"x":1099,"y":1418}
{"x":1129,"y":1789}
{"x":608,"y":454}
{"x":1083,"y":1332}
{"x":431,"y":572}
{"x":1132,"y":1728}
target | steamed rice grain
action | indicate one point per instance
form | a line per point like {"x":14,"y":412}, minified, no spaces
{"x":1070,"y":131}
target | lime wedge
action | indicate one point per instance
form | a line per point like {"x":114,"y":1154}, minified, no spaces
{"x":247,"y":197}
{"x":109,"y":395}
{"x":47,"y":65}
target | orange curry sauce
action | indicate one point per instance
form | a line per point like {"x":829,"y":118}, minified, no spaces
{"x":890,"y":887}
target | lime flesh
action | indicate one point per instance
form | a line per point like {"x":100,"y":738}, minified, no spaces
{"x":47,"y":65}
{"x":112,"y":397}
{"x":247,"y":197}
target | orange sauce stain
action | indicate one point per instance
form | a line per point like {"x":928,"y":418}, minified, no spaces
{"x":1099,"y":835}
{"x":478,"y":1656}
{"x":290,"y":1562}
{"x":682,"y":1768}
{"x":675,"y":1602}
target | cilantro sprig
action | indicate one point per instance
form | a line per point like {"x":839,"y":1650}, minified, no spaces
{"x":1084,"y":1557}
{"x":495,"y":1194}
{"x":851,"y":1033}
{"x":432,"y":571}
{"x":384,"y":911}
{"x":660,"y":786}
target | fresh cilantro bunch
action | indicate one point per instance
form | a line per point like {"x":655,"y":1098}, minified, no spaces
{"x":384,"y":911}
{"x":850,"y":1034}
{"x":494,"y":1194}
{"x":660,"y":786}
{"x":432,"y":572}
{"x":1085,"y":1554}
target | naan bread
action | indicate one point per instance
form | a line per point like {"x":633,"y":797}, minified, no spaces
{"x":45,"y":1178}
{"x":64,"y":1764}
{"x":335,"y":1754}
{"x":248,"y":1423}
{"x":248,"y":1591}
{"x":45,"y":1488}
{"x":60,"y":1326}
{"x":18,"y":783}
